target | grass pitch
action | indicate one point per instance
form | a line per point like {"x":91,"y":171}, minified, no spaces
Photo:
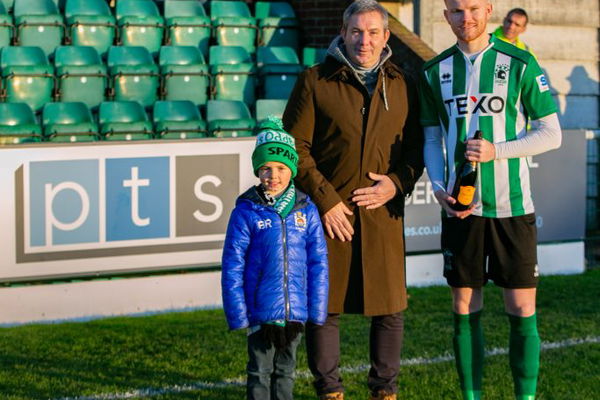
{"x":192,"y":355}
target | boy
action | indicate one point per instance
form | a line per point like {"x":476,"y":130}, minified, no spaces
{"x":275,"y":271}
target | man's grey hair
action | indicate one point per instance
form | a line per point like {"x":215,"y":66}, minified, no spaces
{"x":364,"y":6}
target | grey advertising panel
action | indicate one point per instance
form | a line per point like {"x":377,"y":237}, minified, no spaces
{"x":136,"y":206}
{"x":104,"y":208}
{"x":558,"y":185}
{"x":206,"y":192}
{"x":422,"y":225}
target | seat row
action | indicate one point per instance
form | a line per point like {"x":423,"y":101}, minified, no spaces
{"x":78,"y":74}
{"x":127,"y":120}
{"x":139,"y":23}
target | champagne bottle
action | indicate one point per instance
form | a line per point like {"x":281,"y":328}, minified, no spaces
{"x":465,"y":183}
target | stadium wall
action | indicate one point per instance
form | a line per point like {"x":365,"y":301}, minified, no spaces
{"x":81,"y":301}
{"x":320,"y":20}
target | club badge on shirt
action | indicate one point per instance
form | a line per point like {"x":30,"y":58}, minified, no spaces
{"x":501,"y":74}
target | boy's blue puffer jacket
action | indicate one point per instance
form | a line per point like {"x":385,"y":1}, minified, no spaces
{"x":271,"y":270}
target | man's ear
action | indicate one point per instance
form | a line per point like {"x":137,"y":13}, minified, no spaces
{"x":386,"y":35}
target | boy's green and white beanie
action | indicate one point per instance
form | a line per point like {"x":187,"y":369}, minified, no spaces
{"x":273,"y":143}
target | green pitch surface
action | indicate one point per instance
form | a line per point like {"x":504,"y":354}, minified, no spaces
{"x":193,"y":356}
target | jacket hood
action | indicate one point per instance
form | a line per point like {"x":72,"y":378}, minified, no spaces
{"x":337,"y":51}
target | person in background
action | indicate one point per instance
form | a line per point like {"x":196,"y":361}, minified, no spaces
{"x":355,"y":120}
{"x":275,"y":274}
{"x":514,"y":24}
{"x":483,"y":83}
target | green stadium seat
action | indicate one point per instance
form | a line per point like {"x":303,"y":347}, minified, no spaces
{"x":278,"y":9}
{"x":81,"y":75}
{"x":27,"y":76}
{"x":124,"y":120}
{"x":140,"y":24}
{"x":229,"y":8}
{"x":38,"y":23}
{"x":312,"y":56}
{"x":134,"y":76}
{"x":278,"y":32}
{"x":18,"y":124}
{"x":90,"y":23}
{"x":229,"y":55}
{"x":69,"y":122}
{"x":234,"y":74}
{"x":178,"y":120}
{"x":187,"y":24}
{"x":9,"y":5}
{"x":233,"y":25}
{"x":6,"y":27}
{"x":229,"y":118}
{"x":277,"y":24}
{"x":61,"y":4}
{"x":277,"y":55}
{"x":267,"y":107}
{"x":185,"y":74}
{"x":279,"y":68}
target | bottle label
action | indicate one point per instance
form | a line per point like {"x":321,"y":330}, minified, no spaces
{"x":465,"y":195}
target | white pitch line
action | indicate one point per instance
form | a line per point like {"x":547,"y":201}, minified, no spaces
{"x":240,"y":381}
{"x":151,"y":392}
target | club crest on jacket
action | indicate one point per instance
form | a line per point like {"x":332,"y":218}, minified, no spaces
{"x":300,"y":220}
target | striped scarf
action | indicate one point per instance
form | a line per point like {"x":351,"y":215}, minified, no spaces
{"x":283,"y":204}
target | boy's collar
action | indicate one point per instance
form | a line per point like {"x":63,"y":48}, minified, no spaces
{"x":266,"y":197}
{"x":252,"y":194}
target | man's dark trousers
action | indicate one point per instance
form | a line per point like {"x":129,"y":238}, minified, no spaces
{"x":385,"y":341}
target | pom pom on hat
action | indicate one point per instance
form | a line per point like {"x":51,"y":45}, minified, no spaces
{"x":271,"y":122}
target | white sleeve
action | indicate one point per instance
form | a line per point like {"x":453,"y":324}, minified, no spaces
{"x":544,"y":137}
{"x":433,"y":152}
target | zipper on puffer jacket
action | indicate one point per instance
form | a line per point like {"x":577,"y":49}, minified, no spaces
{"x":285,"y":270}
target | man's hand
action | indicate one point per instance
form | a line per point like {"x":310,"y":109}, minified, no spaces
{"x":337,"y":224}
{"x":377,"y":195}
{"x":446,"y":201}
{"x":480,"y":150}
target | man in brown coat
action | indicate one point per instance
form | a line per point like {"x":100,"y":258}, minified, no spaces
{"x":355,"y":121}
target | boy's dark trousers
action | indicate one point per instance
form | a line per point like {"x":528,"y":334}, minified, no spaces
{"x":270,"y":371}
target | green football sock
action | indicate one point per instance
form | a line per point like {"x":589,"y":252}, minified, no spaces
{"x":524,"y":355}
{"x":469,"y":353}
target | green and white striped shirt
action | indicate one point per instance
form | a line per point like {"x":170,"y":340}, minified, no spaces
{"x":496,"y":92}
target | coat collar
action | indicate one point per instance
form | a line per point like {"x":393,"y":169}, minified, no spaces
{"x":332,"y":69}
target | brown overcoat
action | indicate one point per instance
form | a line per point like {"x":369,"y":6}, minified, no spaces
{"x":341,"y":135}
